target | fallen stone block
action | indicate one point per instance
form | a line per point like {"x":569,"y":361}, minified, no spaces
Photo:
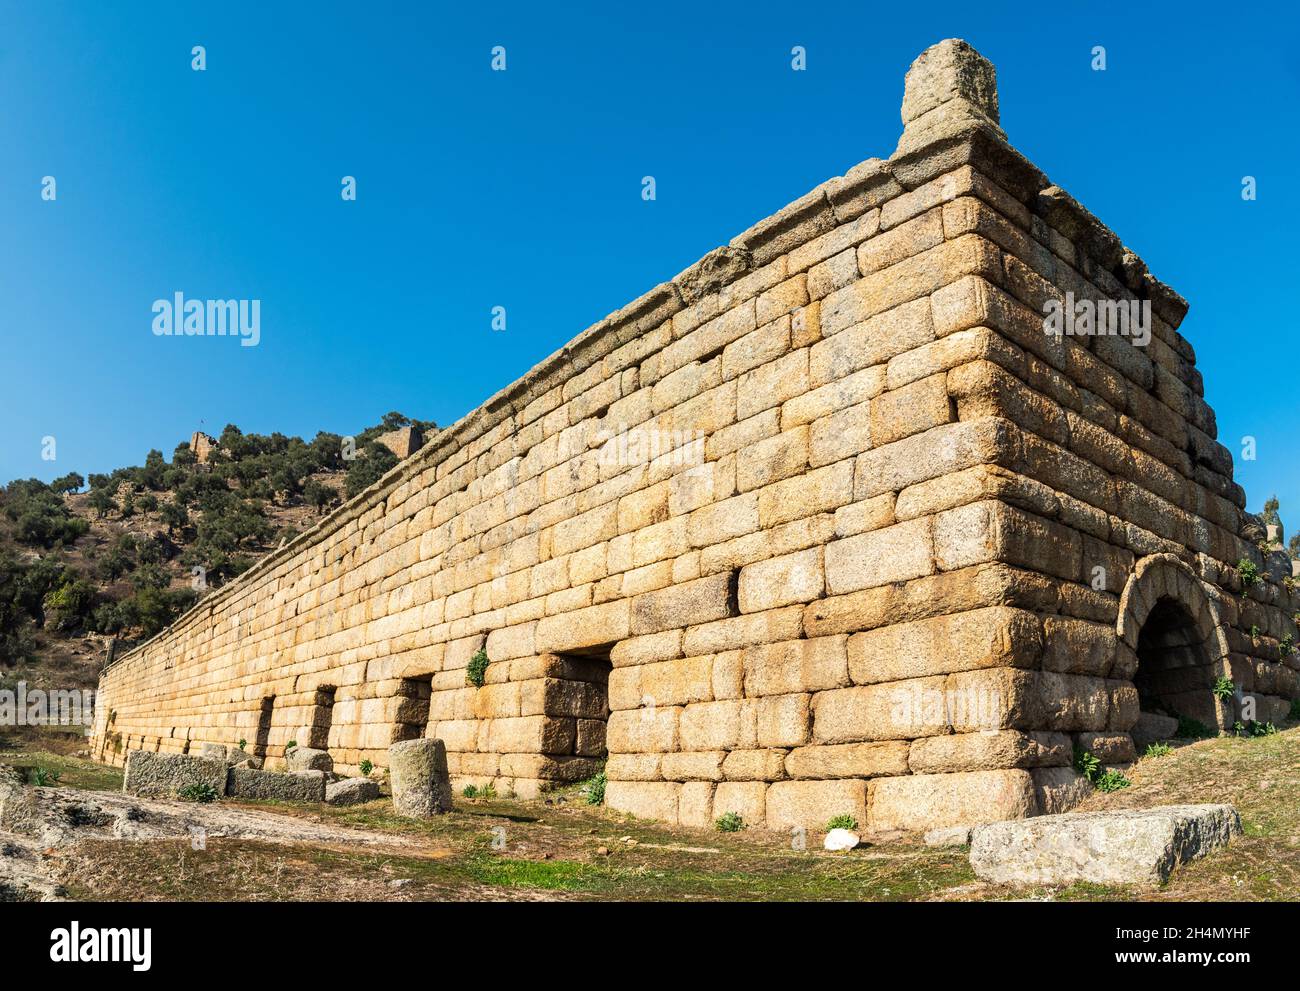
{"x":232,"y":755}
{"x":307,"y":759}
{"x":421,"y":784}
{"x":351,"y":791}
{"x":1152,"y":728}
{"x":164,"y":775}
{"x":949,"y":836}
{"x":1132,"y":846}
{"x":303,"y":786}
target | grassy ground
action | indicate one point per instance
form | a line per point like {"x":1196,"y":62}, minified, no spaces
{"x":53,"y":750}
{"x":565,"y":849}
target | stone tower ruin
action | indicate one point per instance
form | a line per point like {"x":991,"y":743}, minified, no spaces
{"x":837,"y":521}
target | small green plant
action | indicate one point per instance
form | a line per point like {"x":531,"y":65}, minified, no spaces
{"x":488,"y":791}
{"x":476,"y":670}
{"x":242,"y":744}
{"x":198,"y":792}
{"x":842,"y":822}
{"x":1192,"y":729}
{"x":291,"y":745}
{"x":730,"y":822}
{"x":43,"y":777}
{"x":1112,"y":780}
{"x":1160,"y":749}
{"x":1087,"y":764}
{"x":1224,"y":688}
{"x":595,"y":789}
{"x":1286,"y":646}
{"x":470,"y":791}
{"x":1249,"y":573}
{"x":366,"y":766}
{"x":1253,"y":728}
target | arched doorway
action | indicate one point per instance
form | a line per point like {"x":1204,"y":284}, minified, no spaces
{"x":1175,"y":676}
{"x":1170,"y":621}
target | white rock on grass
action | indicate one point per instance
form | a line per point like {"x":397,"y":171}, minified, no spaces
{"x":1132,"y":846}
{"x":841,"y":839}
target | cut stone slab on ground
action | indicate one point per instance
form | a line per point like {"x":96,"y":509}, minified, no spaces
{"x":1132,"y":846}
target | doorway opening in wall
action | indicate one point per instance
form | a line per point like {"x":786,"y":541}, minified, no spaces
{"x":585,"y":698}
{"x":1175,"y":676}
{"x":412,"y":720}
{"x":322,"y":718}
{"x":263,"y":739}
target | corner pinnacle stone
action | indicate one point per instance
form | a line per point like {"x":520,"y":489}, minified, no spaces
{"x":950,"y":70}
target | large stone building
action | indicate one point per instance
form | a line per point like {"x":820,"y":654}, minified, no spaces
{"x":832,"y":522}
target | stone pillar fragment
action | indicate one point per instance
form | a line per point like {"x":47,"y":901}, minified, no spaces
{"x":420,"y":780}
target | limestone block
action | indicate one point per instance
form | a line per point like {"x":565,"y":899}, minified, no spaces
{"x":648,"y":730}
{"x":976,"y":751}
{"x":644,"y":799}
{"x":1060,"y":789}
{"x":795,"y":666}
{"x":754,"y":765}
{"x":893,"y":554}
{"x":308,"y":759}
{"x":164,"y":775}
{"x":817,"y":491}
{"x":950,"y":70}
{"x":901,"y":710}
{"x":781,"y":581}
{"x":699,"y":601}
{"x":940,"y":451}
{"x":842,"y":434}
{"x":848,"y":760}
{"x":857,"y":346}
{"x":783,"y":720}
{"x":300,"y":786}
{"x":936,"y":801}
{"x":695,"y":804}
{"x":351,"y":791}
{"x":418,"y":773}
{"x":1130,"y":846}
{"x":910,"y":410}
{"x":811,"y":804}
{"x":743,"y":631}
{"x":707,"y":726}
{"x":981,"y":638}
{"x":746,"y":798}
{"x":590,"y":627}
{"x":773,"y":459}
{"x":693,"y":766}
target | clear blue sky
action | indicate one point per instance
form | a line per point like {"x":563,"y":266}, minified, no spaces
{"x":522,"y":189}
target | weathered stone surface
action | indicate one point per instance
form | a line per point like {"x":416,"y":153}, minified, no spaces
{"x":351,"y":791}
{"x":812,"y":804}
{"x":831,"y":509}
{"x":933,"y":801}
{"x":1133,"y":846}
{"x":418,"y":774}
{"x":300,"y":786}
{"x":307,"y":759}
{"x":949,"y":836}
{"x":1152,"y":727}
{"x":163,"y":775}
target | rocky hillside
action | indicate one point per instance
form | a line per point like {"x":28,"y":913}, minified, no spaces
{"x":120,"y":555}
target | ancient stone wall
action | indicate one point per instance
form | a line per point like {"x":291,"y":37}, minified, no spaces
{"x":827,"y":524}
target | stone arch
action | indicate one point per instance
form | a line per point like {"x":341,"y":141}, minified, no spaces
{"x":1172,"y":629}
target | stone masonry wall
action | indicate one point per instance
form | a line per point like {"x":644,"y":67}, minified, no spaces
{"x":827,"y":524}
